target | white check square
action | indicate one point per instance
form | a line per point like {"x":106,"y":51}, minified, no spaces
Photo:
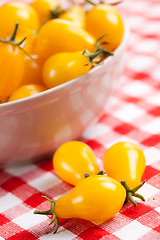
{"x":152,"y":155}
{"x":132,"y":231}
{"x":155,"y":99}
{"x":152,"y":127}
{"x":96,"y":130}
{"x":129,"y":113}
{"x":148,"y":191}
{"x":44,"y":182}
{"x":8,"y":201}
{"x":136,"y":89}
{"x":29,"y":220}
{"x":20,"y":170}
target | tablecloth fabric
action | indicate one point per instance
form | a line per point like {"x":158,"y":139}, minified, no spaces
{"x":132,"y":115}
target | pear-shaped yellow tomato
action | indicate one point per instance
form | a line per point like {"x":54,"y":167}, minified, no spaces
{"x":17,"y":12}
{"x":59,"y":35}
{"x":26,"y":91}
{"x":11,"y":69}
{"x":63,"y":67}
{"x":125,"y":161}
{"x":72,"y":160}
{"x":105,"y":19}
{"x":96,"y":198}
{"x":43,"y":8}
{"x":76,"y":15}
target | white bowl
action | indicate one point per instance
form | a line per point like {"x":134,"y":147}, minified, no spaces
{"x":32,"y":128}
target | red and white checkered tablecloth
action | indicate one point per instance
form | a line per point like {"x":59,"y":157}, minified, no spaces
{"x":133,"y":115}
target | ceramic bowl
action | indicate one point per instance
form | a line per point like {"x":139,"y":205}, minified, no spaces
{"x":32,"y":128}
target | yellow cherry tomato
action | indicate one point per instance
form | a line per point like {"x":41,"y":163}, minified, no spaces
{"x":63,"y":67}
{"x":72,"y":160}
{"x":125,"y":161}
{"x":26,"y":91}
{"x":76,"y":15}
{"x":96,"y":198}
{"x":17,"y":12}
{"x":32,"y":72}
{"x":105,"y":19}
{"x":11,"y":69}
{"x":59,"y":35}
{"x":43,"y":8}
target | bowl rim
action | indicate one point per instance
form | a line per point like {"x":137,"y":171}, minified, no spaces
{"x":16,"y":103}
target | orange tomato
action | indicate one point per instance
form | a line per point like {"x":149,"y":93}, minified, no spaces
{"x":32,"y":72}
{"x":105,"y":19}
{"x":75,"y":14}
{"x":59,"y":35}
{"x":11,"y":69}
{"x":17,"y":12}
{"x":43,"y":8}
{"x":26,"y":91}
{"x":63,"y":67}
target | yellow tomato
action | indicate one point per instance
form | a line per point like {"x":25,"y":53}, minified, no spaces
{"x":59,"y":35}
{"x":26,"y":91}
{"x":17,"y":12}
{"x":43,"y":8}
{"x":96,"y":198}
{"x":63,"y":67}
{"x":11,"y":69}
{"x":105,"y":19}
{"x":125,"y":161}
{"x":76,"y":15}
{"x":72,"y":160}
{"x":32,"y":72}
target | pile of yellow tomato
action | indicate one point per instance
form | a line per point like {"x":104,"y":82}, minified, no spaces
{"x":43,"y":45}
{"x":96,"y":196}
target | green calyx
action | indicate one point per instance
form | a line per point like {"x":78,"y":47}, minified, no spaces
{"x":54,"y":13}
{"x":130,"y":193}
{"x":99,"y":173}
{"x":54,"y":220}
{"x":102,"y":1}
{"x":13,"y":42}
{"x":99,"y":54}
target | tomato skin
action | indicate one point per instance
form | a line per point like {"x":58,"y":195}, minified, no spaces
{"x":11,"y":69}
{"x":76,"y":15}
{"x":105,"y":19}
{"x":96,"y":198}
{"x":32,"y":72}
{"x":43,"y":8}
{"x":72,"y":160}
{"x":26,"y":91}
{"x":63,"y":67}
{"x":50,"y":39}
{"x":17,"y":12}
{"x":125,"y":161}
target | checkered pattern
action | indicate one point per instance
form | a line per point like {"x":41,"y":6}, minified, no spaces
{"x":133,"y":115}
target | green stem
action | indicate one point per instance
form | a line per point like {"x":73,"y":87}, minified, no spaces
{"x":102,"y":2}
{"x":90,"y":2}
{"x":101,"y":172}
{"x":55,"y":219}
{"x":130,"y":193}
{"x":14,"y":32}
{"x":54,"y":13}
{"x":86,"y":175}
{"x":17,"y":44}
{"x":99,"y":53}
